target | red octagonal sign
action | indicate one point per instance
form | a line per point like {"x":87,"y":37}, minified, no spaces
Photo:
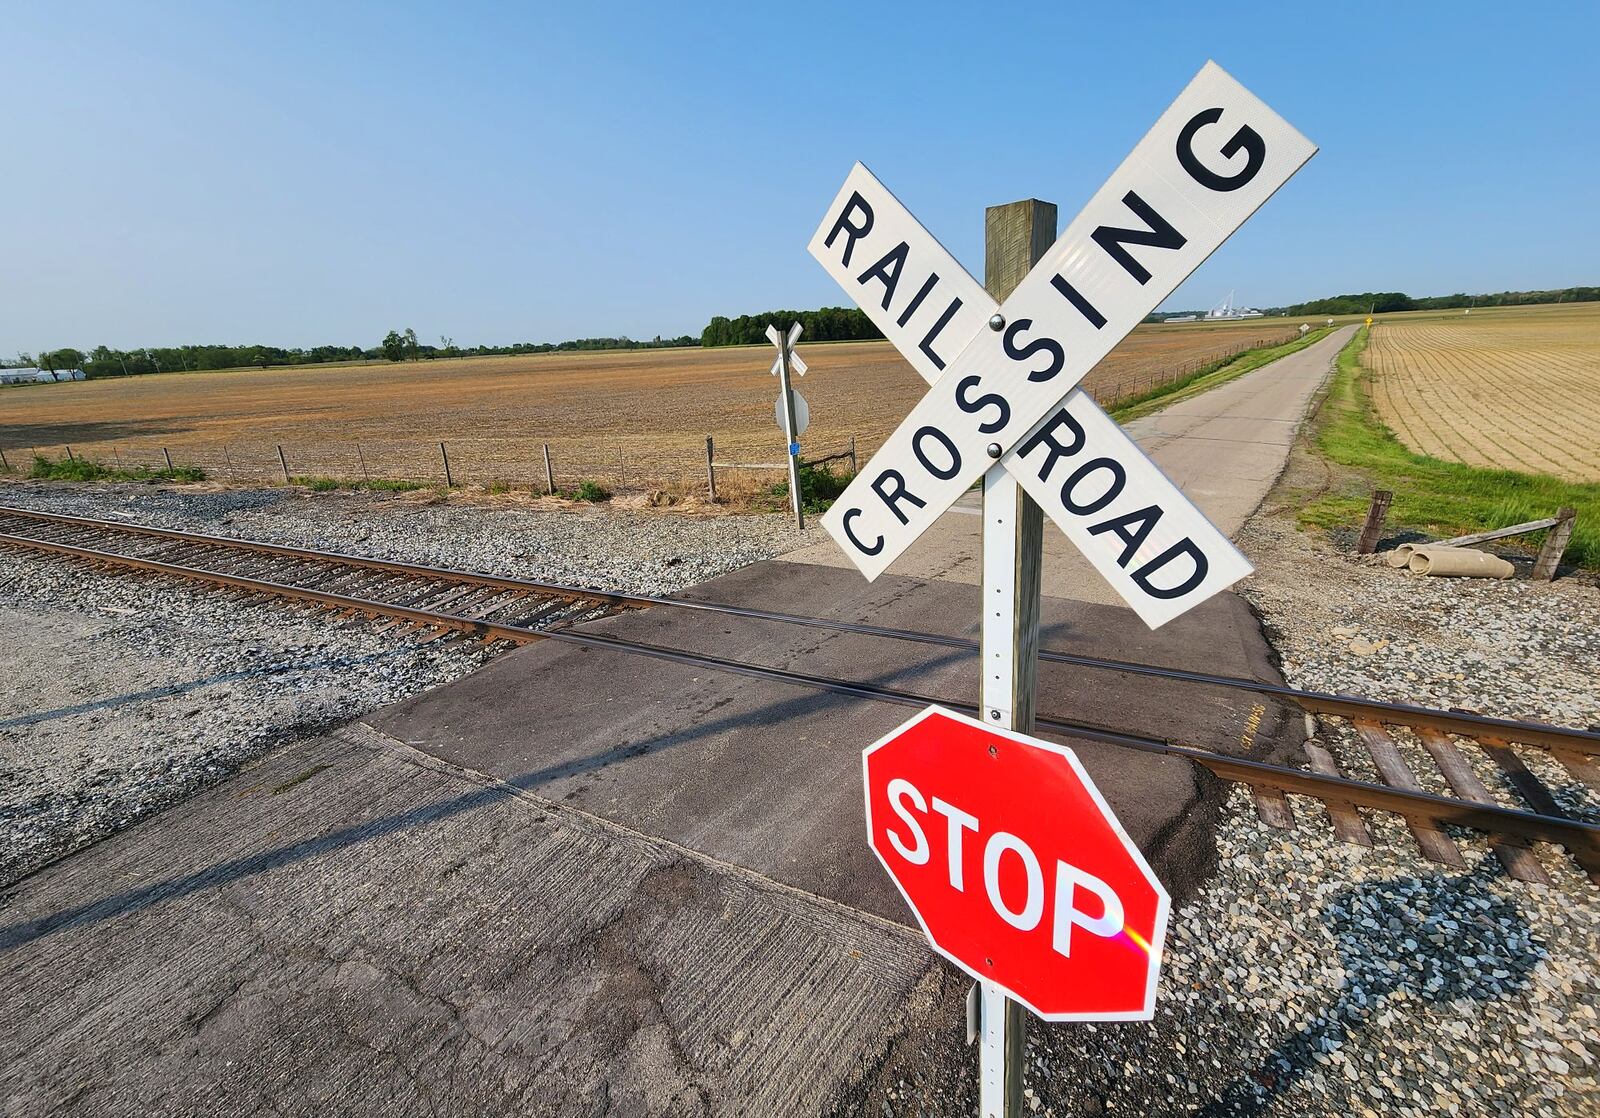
{"x":1016,"y":868}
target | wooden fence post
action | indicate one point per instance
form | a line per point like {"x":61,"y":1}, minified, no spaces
{"x":1373,"y":528}
{"x":853,"y":470}
{"x":1555,"y":545}
{"x":711,"y":471}
{"x":365,"y":476}
{"x":70,"y":458}
{"x":449,"y":482}
{"x":227,"y":461}
{"x":284,"y":462}
{"x":3,"y":461}
{"x":549,"y":474}
{"x":167,"y":454}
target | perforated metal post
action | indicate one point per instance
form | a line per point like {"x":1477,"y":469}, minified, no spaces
{"x":1016,"y":236}
{"x":789,"y":431}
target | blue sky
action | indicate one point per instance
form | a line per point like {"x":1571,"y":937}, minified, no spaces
{"x":301,"y":174}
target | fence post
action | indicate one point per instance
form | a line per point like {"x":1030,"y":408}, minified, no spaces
{"x":365,"y":476}
{"x":853,"y":469}
{"x":70,"y":458}
{"x":116,"y":455}
{"x":1373,"y":528}
{"x":449,"y":482}
{"x":168,"y":456}
{"x":1555,"y":545}
{"x":284,"y":462}
{"x":227,"y":460}
{"x":3,"y":461}
{"x":711,"y":472}
{"x":549,"y":474}
{"x":622,"y":471}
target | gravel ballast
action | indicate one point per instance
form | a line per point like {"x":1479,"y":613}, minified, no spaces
{"x":1314,"y":977}
{"x":603,"y":547}
{"x":125,"y":694}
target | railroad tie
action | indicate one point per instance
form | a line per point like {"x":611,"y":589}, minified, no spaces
{"x":1348,"y":825}
{"x":1513,"y":851}
{"x":1433,"y":842}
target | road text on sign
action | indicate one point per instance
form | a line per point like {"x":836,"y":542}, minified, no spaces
{"x":1214,"y":156}
{"x":1130,"y":537}
{"x":1015,"y":866}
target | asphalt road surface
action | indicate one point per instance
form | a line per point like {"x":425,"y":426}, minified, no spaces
{"x":1224,"y":448}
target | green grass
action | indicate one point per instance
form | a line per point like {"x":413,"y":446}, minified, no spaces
{"x":1210,"y":376}
{"x":1430,"y":495}
{"x":81,"y":469}
{"x":379,"y":484}
{"x":591,"y":491}
{"x":819,"y":488}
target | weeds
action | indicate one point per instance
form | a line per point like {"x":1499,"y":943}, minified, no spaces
{"x":819,"y":488}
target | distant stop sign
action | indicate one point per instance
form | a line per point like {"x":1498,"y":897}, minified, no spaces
{"x":1016,"y":868}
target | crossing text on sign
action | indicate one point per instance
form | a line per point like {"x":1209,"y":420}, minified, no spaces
{"x":1210,"y":161}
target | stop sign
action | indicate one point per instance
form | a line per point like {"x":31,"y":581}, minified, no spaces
{"x":1015,"y":867}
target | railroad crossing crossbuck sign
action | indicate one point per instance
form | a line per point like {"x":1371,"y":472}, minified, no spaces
{"x":1015,"y":867}
{"x":1003,"y":378}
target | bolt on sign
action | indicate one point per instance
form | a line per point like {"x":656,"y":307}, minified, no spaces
{"x":1015,"y":867}
{"x":1003,"y":378}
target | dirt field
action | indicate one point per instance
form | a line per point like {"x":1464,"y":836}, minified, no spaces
{"x":626,"y":419}
{"x":1515,"y":387}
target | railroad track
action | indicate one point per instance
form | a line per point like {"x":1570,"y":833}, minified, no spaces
{"x":435,"y":603}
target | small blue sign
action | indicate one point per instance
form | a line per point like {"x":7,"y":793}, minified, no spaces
{"x":794,"y":448}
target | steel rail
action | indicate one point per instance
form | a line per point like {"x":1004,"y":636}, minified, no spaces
{"x":1581,"y":839}
{"x":1464,"y":723}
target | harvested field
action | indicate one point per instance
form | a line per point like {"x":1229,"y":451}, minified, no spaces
{"x":1513,"y":388}
{"x":628,"y":419}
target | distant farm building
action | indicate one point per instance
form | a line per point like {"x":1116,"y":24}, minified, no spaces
{"x":1226,"y":309}
{"x":43,"y":376}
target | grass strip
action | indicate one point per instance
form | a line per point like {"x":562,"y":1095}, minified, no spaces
{"x":81,"y":469}
{"x":382,"y":485}
{"x":1430,"y":495}
{"x":1207,"y":377}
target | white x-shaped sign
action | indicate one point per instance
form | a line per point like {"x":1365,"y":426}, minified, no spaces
{"x":796,"y":365}
{"x":1003,"y":378}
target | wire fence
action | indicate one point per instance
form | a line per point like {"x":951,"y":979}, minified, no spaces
{"x":681,"y":464}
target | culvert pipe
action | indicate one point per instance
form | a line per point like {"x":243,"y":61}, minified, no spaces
{"x":1459,"y":562}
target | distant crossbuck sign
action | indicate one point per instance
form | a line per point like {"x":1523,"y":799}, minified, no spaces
{"x":1003,"y":378}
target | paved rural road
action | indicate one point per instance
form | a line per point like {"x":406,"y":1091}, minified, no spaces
{"x":579,"y":882}
{"x":1224,"y":448}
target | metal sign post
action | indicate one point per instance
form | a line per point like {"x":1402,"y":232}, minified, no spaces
{"x":792,"y":430}
{"x":1016,"y":236}
{"x":1003,"y":364}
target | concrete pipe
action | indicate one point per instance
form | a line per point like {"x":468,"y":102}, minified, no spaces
{"x":1464,"y":562}
{"x":1401,"y":556}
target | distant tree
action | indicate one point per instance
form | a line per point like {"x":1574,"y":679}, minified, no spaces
{"x":25,"y":360}
{"x":411,"y":343}
{"x":394,"y":346}
{"x":60,"y":360}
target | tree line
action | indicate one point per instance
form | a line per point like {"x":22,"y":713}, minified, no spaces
{"x":829,"y":324}
{"x":398,"y":345}
{"x":1387,"y":302}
